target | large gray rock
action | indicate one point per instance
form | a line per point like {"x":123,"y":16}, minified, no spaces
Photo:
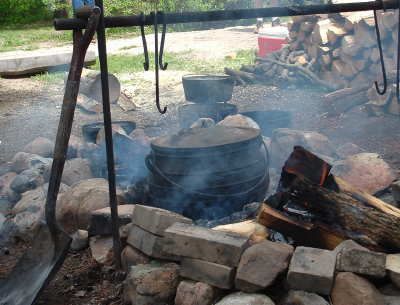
{"x":240,"y":298}
{"x":156,"y":220}
{"x":299,"y":297}
{"x":261,"y":264}
{"x":195,"y":293}
{"x":284,"y":139}
{"x":80,"y":240}
{"x":214,"y":274}
{"x":75,"y":207}
{"x":23,"y":161}
{"x":312,"y":270}
{"x":351,"y":289}
{"x":366,"y":171}
{"x":76,"y":170}
{"x":28,"y":62}
{"x":152,"y":284}
{"x":197,"y":242}
{"x":40,"y":146}
{"x":27,"y":180}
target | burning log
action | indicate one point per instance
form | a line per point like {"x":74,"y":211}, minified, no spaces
{"x":336,"y":206}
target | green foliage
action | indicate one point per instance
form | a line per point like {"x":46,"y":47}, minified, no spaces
{"x":23,"y":11}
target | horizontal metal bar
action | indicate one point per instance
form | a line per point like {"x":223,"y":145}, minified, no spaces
{"x":222,"y":15}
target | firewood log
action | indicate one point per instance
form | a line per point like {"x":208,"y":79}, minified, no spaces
{"x":342,"y":100}
{"x":364,"y":34}
{"x":349,"y":45}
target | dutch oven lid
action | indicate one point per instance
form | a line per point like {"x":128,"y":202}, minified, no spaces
{"x":216,"y":137}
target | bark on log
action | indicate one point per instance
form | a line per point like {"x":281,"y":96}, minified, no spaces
{"x":342,"y":100}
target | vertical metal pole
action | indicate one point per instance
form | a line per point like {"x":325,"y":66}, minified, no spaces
{"x":101,"y":39}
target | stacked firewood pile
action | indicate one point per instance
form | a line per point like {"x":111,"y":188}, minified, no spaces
{"x":334,"y":51}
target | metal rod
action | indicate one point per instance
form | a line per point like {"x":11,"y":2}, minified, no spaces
{"x":157,"y":67}
{"x":222,"y":15}
{"x":378,"y":38}
{"x":101,"y":38}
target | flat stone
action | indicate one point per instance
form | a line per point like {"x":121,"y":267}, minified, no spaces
{"x":100,"y":220}
{"x":195,"y":293}
{"x":27,"y":62}
{"x":102,"y":249}
{"x":261,"y":264}
{"x":80,"y":240}
{"x":393,"y":268}
{"x":240,"y":298}
{"x":312,"y":270}
{"x":152,"y":284}
{"x":150,"y":244}
{"x":156,"y":220}
{"x":351,"y":289}
{"x":352,"y":257}
{"x":214,"y":274}
{"x":132,"y":257}
{"x":299,"y":297}
{"x":197,"y":242}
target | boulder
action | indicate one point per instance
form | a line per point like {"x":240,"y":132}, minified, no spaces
{"x":239,"y":120}
{"x":261,"y":264}
{"x":299,"y":297}
{"x":27,"y":180}
{"x":152,"y":284}
{"x":75,"y":145}
{"x":40,"y":146}
{"x":203,"y":123}
{"x":132,"y":257}
{"x":74,"y":208}
{"x":80,"y":240}
{"x":240,"y":298}
{"x":283,"y":140}
{"x":5,"y":191}
{"x":102,"y":249}
{"x":23,"y":161}
{"x":76,"y":170}
{"x":351,"y":289}
{"x":195,"y":293}
{"x":366,"y":171}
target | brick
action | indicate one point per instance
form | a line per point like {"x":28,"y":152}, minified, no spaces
{"x":201,"y":243}
{"x":150,"y":244}
{"x":261,"y":264}
{"x":100,"y":220}
{"x":214,"y":274}
{"x":312,"y":270}
{"x":351,"y":257}
{"x":132,"y":257}
{"x":156,"y":220}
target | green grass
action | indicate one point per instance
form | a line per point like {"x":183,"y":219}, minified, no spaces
{"x":50,"y":77}
{"x":30,"y":37}
{"x":178,"y":61}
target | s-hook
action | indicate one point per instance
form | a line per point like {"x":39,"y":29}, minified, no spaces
{"x":378,"y":37}
{"x":146,"y":63}
{"x":157,"y":58}
{"x":164,"y":31}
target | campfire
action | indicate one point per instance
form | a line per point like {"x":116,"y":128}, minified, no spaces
{"x":226,"y":207}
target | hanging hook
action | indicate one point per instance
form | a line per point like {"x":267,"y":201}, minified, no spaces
{"x":164,"y":31}
{"x":146,"y":63}
{"x":157,"y":64}
{"x":378,"y":37}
